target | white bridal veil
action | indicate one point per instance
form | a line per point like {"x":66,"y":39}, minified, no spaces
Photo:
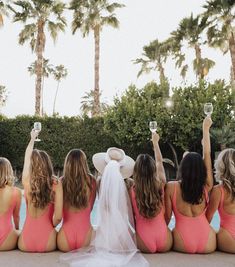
{"x":113,"y":243}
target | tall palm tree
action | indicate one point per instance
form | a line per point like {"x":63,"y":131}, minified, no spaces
{"x":87,"y":104}
{"x":59,"y":73}
{"x":190,"y":29}
{"x":37,"y":15}
{"x":93,"y":15}
{"x":47,"y":69}
{"x":221,"y":30}
{"x":3,"y":12}
{"x":154,"y":57}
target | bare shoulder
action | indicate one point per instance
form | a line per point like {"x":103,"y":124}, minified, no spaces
{"x":216,"y":189}
{"x":169,"y":188}
{"x":129,"y":183}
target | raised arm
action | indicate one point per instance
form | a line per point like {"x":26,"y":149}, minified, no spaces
{"x":207,"y":151}
{"x":28,"y":153}
{"x":158,"y":158}
{"x":58,"y":202}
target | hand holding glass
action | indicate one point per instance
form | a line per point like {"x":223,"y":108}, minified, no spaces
{"x":153,"y":126}
{"x":37,"y":128}
{"x":208,"y":109}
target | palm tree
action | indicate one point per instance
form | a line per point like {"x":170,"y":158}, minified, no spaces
{"x":59,"y":73}
{"x":154,"y":57}
{"x":37,"y":15}
{"x":3,"y":96}
{"x":190,"y":29}
{"x":46,"y":71}
{"x":87,"y":104}
{"x":221,"y":32}
{"x":93,"y":15}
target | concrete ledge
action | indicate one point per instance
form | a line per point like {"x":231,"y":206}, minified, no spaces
{"x":171,"y":259}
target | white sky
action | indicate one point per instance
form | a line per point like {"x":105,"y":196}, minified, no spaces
{"x":141,"y":21}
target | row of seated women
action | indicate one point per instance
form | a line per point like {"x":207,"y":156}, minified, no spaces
{"x":70,"y":199}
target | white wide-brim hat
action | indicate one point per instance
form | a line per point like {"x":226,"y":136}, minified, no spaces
{"x":100,"y":160}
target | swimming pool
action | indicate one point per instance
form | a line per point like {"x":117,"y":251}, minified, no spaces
{"x":214,"y":223}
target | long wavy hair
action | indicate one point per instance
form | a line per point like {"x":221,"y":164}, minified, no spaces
{"x":41,"y":181}
{"x":192,"y":174}
{"x":225,"y":169}
{"x":148,"y":188}
{"x":77,"y":180}
{"x":6,"y":173}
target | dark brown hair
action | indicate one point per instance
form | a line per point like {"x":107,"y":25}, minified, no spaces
{"x":41,"y":179}
{"x":148,"y":188}
{"x":192,"y":174}
{"x":77,"y":181}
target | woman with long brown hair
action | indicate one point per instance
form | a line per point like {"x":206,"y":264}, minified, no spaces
{"x":79,"y":189}
{"x":147,"y":197}
{"x":223,"y":199}
{"x":10,"y":200}
{"x":44,"y":201}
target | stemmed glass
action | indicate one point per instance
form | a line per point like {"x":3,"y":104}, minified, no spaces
{"x":37,"y":128}
{"x":208,"y":109}
{"x":153,"y":126}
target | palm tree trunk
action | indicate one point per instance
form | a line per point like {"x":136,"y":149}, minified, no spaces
{"x":162,"y":73}
{"x":39,"y":66}
{"x":175,"y":155}
{"x":232,"y":53}
{"x":57,"y":89}
{"x":198,"y":53}
{"x":96,"y":109}
{"x":42,"y":110}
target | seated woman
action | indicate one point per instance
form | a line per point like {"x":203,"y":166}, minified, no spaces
{"x":10,"y":201}
{"x":44,"y":201}
{"x":188,"y":198}
{"x":147,"y":197}
{"x":79,"y":189}
{"x":223,"y":199}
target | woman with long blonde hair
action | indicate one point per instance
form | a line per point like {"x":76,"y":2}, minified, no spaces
{"x":44,"y":201}
{"x":79,"y":189}
{"x":10,"y":201}
{"x":223,"y":199}
{"x":147,"y":197}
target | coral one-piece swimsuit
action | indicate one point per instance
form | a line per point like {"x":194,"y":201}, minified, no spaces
{"x":153,"y":232}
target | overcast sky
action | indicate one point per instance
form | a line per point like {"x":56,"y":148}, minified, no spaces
{"x":141,"y":21}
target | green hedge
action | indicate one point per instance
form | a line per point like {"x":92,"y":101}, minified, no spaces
{"x":58,"y":135}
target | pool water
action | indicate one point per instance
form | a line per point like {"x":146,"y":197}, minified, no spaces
{"x":215,"y":223}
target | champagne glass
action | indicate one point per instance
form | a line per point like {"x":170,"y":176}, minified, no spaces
{"x":153,"y":126}
{"x":208,"y":109}
{"x":37,"y":128}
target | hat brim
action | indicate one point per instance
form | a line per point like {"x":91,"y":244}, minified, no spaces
{"x":126,"y":171}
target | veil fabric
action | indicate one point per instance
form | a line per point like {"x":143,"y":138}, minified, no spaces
{"x":113,"y":243}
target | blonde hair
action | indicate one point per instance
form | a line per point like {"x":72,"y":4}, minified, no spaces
{"x":148,"y":188}
{"x":6,"y":173}
{"x":225,"y":169}
{"x":41,"y":181}
{"x":77,"y":181}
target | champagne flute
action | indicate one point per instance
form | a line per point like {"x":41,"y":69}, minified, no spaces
{"x":208,"y":109}
{"x":37,"y":128}
{"x":153,"y":126}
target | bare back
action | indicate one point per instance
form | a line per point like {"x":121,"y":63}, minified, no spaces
{"x":186,"y":208}
{"x":6,"y":195}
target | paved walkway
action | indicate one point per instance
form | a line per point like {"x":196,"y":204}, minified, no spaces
{"x":171,"y":259}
